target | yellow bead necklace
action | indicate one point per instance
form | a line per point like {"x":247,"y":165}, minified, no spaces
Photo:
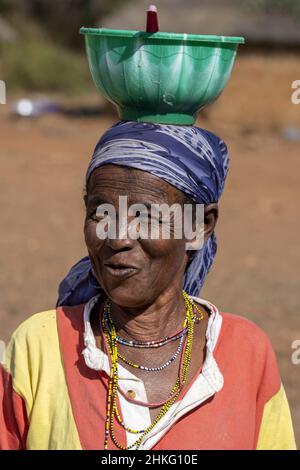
{"x":112,"y":411}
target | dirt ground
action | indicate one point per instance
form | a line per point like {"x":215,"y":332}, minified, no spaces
{"x":256,"y":272}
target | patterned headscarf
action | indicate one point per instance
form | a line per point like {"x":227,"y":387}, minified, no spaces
{"x":193,"y":160}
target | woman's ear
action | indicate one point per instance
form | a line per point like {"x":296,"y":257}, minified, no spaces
{"x":203,"y":230}
{"x":211,"y":214}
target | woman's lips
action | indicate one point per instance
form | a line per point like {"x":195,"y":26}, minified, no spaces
{"x":121,"y":271}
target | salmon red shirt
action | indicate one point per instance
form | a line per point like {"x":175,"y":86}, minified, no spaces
{"x":53,"y":389}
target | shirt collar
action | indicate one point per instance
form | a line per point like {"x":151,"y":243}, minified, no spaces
{"x":98,"y":360}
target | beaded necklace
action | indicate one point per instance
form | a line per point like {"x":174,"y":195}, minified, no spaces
{"x":153,"y":343}
{"x":112,"y":410}
{"x":154,"y":369}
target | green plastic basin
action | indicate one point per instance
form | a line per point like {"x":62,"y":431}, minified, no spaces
{"x":160,"y":77}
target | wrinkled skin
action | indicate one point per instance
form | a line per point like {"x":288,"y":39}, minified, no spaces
{"x":147,"y":304}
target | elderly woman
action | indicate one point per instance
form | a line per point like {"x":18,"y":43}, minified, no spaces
{"x":131,"y":358}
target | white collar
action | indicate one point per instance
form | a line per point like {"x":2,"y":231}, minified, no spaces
{"x":209,"y":381}
{"x":98,"y":360}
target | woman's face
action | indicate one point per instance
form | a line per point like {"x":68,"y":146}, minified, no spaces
{"x":132,"y":272}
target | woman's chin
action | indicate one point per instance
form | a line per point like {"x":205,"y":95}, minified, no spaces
{"x":127,"y":296}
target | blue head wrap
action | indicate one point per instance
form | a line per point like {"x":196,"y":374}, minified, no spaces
{"x":193,"y":160}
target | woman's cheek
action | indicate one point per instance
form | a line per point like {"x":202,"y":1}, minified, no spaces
{"x":164,"y":248}
{"x":90,"y":234}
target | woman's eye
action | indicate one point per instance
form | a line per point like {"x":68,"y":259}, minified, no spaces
{"x":156,"y":221}
{"x":90,"y":214}
{"x":141,"y":215}
{"x":151,"y":219}
{"x":97,"y":217}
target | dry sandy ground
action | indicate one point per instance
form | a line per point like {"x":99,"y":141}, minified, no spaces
{"x":256,"y":273}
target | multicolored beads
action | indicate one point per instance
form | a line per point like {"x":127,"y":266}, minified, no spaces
{"x":153,"y":343}
{"x":111,"y":408}
{"x":154,"y":369}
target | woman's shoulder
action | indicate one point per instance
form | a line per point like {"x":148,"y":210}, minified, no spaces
{"x":242,"y":324}
{"x":35,"y":334}
{"x":238,"y":334}
{"x":235,"y":325}
{"x":245,"y":334}
{"x":35,"y":338}
{"x":44,"y":322}
{"x":37,"y":323}
{"x":39,"y":333}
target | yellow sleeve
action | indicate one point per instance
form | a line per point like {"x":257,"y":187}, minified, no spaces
{"x":276,"y":430}
{"x":34,"y":362}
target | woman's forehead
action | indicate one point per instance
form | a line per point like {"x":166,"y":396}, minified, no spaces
{"x":131,"y":181}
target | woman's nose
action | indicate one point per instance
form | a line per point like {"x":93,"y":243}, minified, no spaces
{"x":119,"y":244}
{"x":120,"y":239}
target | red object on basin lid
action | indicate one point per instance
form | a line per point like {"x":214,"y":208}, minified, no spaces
{"x":152,"y":20}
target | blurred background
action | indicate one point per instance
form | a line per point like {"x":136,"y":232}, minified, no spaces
{"x":54,"y":117}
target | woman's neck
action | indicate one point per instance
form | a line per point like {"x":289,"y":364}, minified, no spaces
{"x":162,"y":318}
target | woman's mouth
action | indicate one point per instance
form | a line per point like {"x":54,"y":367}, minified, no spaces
{"x":120,"y":271}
